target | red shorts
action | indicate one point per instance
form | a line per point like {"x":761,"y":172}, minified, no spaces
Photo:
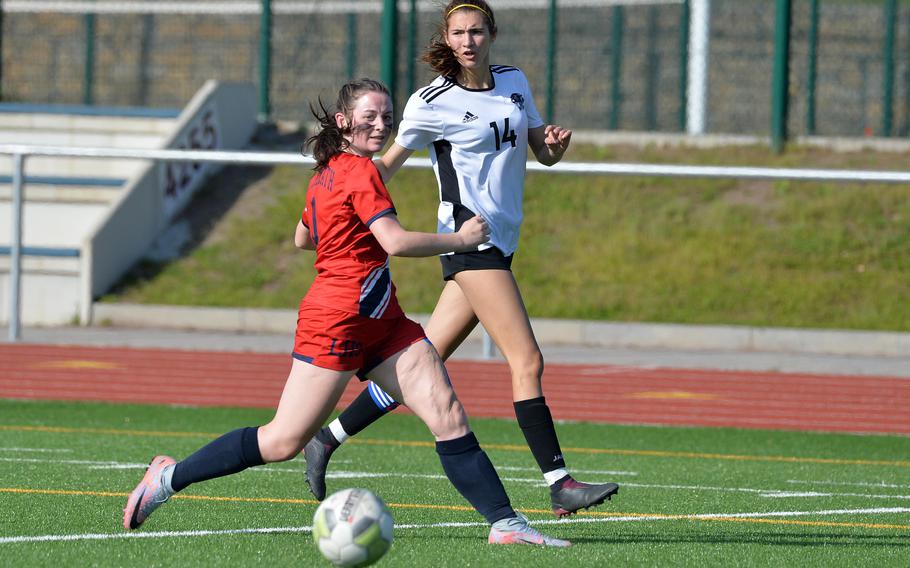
{"x":343,"y":341}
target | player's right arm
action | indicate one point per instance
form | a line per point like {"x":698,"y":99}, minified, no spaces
{"x":420,"y":126}
{"x":392,"y":160}
{"x":397,"y":241}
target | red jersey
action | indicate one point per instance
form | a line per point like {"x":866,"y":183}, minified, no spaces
{"x":352,"y":269}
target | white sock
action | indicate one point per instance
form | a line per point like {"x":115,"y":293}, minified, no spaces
{"x":166,"y":475}
{"x":338,"y":431}
{"x":552,"y":477}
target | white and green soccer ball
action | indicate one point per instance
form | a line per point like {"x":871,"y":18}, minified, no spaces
{"x":352,"y":527}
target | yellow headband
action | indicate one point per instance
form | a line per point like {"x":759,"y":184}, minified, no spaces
{"x":476,"y":7}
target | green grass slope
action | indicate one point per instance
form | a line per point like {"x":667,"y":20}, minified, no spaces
{"x":793,"y":254}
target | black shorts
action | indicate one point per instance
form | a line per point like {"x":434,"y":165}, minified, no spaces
{"x":489,"y":259}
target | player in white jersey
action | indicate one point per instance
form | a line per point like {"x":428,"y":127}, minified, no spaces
{"x":478,"y":121}
{"x":478,"y":141}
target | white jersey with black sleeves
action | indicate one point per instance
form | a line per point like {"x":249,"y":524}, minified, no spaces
{"x":478,"y":141}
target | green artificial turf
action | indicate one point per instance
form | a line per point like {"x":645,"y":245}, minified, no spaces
{"x":777,"y":498}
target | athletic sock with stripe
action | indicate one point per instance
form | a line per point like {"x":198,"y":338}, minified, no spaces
{"x":537,"y":425}
{"x":361,"y":413}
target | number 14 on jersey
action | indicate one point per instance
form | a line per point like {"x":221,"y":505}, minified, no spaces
{"x":507,"y":134}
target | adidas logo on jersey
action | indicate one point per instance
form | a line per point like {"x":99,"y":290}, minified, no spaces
{"x":468,"y":117}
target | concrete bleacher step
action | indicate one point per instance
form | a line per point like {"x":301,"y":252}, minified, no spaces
{"x":105,"y":139}
{"x":85,"y":126}
{"x":67,"y":197}
{"x":65,"y":189}
{"x":59,"y":213}
{"x":88,"y":119}
{"x":86,"y":220}
{"x":43,"y":252}
{"x":49,"y":285}
{"x":52,"y":223}
{"x":75,"y":167}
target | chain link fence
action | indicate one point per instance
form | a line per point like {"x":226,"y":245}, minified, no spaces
{"x":617,"y":66}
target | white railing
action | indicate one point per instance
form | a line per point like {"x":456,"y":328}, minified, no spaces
{"x":20,"y":153}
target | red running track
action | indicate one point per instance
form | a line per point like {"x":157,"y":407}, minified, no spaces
{"x":596,"y":393}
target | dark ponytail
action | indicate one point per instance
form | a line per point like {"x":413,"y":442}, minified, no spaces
{"x":329,"y":139}
{"x":438,"y":55}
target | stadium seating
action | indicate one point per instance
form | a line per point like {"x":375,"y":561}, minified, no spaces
{"x":86,"y":221}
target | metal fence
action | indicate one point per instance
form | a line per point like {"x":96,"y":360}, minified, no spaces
{"x":594,"y":64}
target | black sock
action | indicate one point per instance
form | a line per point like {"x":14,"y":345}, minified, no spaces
{"x":362,"y":412}
{"x":555,"y":487}
{"x":473,"y":475}
{"x":325,"y":436}
{"x":536,"y":424}
{"x":231,"y":453}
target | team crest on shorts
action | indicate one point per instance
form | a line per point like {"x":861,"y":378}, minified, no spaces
{"x":519,"y":100}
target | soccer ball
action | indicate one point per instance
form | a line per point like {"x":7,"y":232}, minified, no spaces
{"x":352,"y":527}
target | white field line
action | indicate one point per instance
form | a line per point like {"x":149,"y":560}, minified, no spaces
{"x":88,"y":463}
{"x":169,"y":534}
{"x":341,"y":474}
{"x":277,"y":468}
{"x":155,"y":534}
{"x":353,"y":474}
{"x":93,"y":464}
{"x":580,"y":471}
{"x":767,"y":493}
{"x":851,"y":483}
{"x":385,"y":475}
{"x":770,"y":493}
{"x":295,"y":465}
{"x":825,"y":512}
{"x":39,"y":450}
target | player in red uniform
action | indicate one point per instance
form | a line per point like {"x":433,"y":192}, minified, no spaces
{"x":478,"y":122}
{"x":350,"y":320}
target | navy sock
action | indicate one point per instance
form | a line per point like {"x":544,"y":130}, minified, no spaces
{"x":366,"y":409}
{"x":231,"y":453}
{"x":536,"y":424}
{"x":473,"y":475}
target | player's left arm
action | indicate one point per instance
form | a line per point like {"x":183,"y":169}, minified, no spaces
{"x":549,"y":143}
{"x":302,"y":238}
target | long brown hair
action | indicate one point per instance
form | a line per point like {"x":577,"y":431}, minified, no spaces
{"x":330,"y":138}
{"x":438,"y":55}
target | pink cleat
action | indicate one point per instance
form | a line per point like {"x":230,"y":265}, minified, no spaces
{"x":516,"y":530}
{"x":150,"y":494}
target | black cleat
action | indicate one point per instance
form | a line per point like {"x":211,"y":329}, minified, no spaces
{"x":317,"y":454}
{"x":573,"y":495}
